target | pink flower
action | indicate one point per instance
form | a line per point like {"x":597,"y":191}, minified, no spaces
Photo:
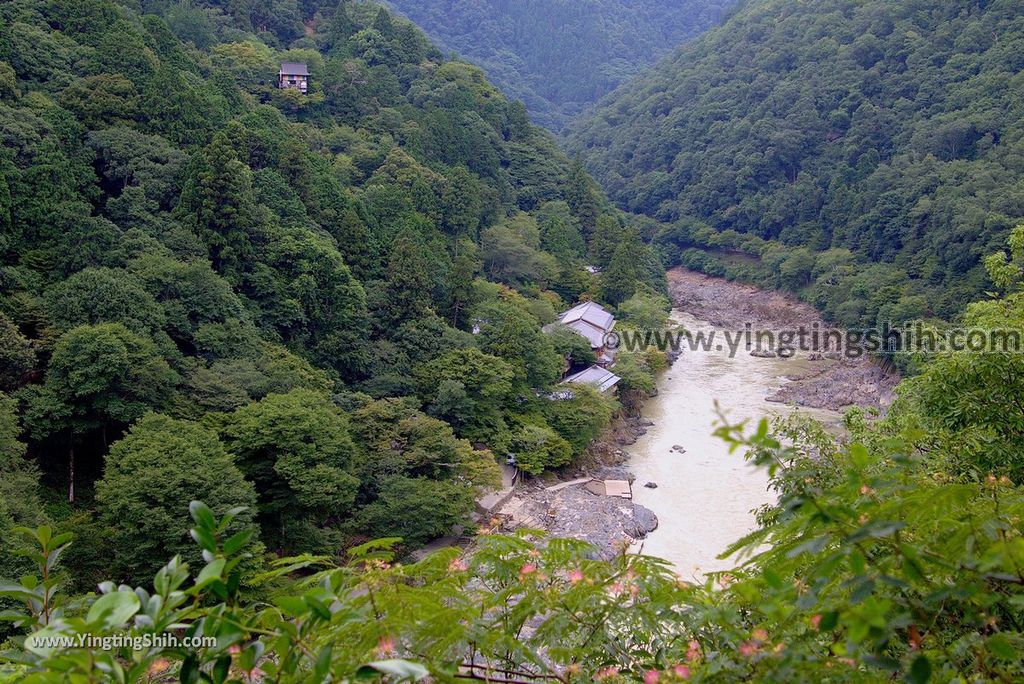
{"x":575,"y":576}
{"x":682,"y":671}
{"x":457,"y":565}
{"x":606,"y":673}
{"x":159,"y":665}
{"x":759,"y":635}
{"x":748,"y":648}
{"x":816,"y":621}
{"x":693,"y":651}
{"x":527,"y":569}
{"x":386,"y":646}
{"x":651,"y":677}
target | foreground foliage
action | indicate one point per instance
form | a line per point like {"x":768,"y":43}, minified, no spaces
{"x":874,"y":566}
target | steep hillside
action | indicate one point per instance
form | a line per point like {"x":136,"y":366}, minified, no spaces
{"x":560,"y":56}
{"x":210,"y":285}
{"x":889,"y":133}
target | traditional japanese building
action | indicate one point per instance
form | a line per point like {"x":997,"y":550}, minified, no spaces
{"x":594,"y":322}
{"x":293,"y":76}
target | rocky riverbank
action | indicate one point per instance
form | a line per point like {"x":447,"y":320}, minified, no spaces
{"x":820,"y":380}
{"x":566,"y":508}
{"x":817,"y":381}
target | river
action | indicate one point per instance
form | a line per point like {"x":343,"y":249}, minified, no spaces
{"x":706,"y":497}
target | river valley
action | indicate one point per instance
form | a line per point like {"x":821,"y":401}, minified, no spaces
{"x":701,"y":498}
{"x":705,"y":496}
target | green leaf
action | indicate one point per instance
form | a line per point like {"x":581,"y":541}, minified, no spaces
{"x":920,"y":670}
{"x":202,"y":514}
{"x":829,"y":621}
{"x":323,"y":663}
{"x":292,"y":605}
{"x":211,"y":573}
{"x":189,"y":673}
{"x":221,"y":669}
{"x":113,"y":610}
{"x":236,"y":542}
{"x":1001,"y":647}
{"x":403,"y":669}
{"x":35,"y":641}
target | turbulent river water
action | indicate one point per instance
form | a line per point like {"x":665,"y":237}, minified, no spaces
{"x":706,"y":497}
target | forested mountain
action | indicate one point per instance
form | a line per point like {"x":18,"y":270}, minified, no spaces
{"x":212,"y":286}
{"x":321,"y":313}
{"x":560,"y":56}
{"x":865,"y":153}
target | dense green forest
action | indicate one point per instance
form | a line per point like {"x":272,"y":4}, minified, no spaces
{"x":895,"y":554}
{"x":866,"y":154}
{"x":560,"y":56}
{"x":212,"y":286}
{"x":313,"y":325}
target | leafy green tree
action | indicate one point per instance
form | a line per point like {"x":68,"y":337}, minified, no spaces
{"x":632,"y":265}
{"x":462,"y":203}
{"x":20,"y":503}
{"x":151,"y":476}
{"x":582,"y":418}
{"x":537,"y":449}
{"x":177,"y":106}
{"x":562,"y":238}
{"x":461,"y":291}
{"x":971,"y":404}
{"x":218,"y":199}
{"x":645,"y":310}
{"x":469,"y":390}
{"x":580,"y":195}
{"x":128,"y":159}
{"x":416,"y":509}
{"x":101,"y":377}
{"x":637,"y":373}
{"x":395,"y":437}
{"x":191,"y":294}
{"x":8,"y":82}
{"x":510,"y":333}
{"x":295,"y":448}
{"x":313,"y":300}
{"x":103,"y":295}
{"x":17,"y":357}
{"x":407,"y":287}
{"x":570,"y":345}
{"x":102,"y":100}
{"x":122,"y":50}
{"x":511,"y":255}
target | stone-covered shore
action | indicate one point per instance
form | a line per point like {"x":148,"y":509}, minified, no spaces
{"x":610,"y":523}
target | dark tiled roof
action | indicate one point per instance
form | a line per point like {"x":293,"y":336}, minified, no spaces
{"x":294,"y":69}
{"x":600,"y":378}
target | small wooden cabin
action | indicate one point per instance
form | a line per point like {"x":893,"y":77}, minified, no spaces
{"x":293,"y":76}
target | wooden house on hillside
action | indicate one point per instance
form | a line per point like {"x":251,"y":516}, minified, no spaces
{"x":594,"y":322}
{"x":293,"y":76}
{"x":600,"y":378}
